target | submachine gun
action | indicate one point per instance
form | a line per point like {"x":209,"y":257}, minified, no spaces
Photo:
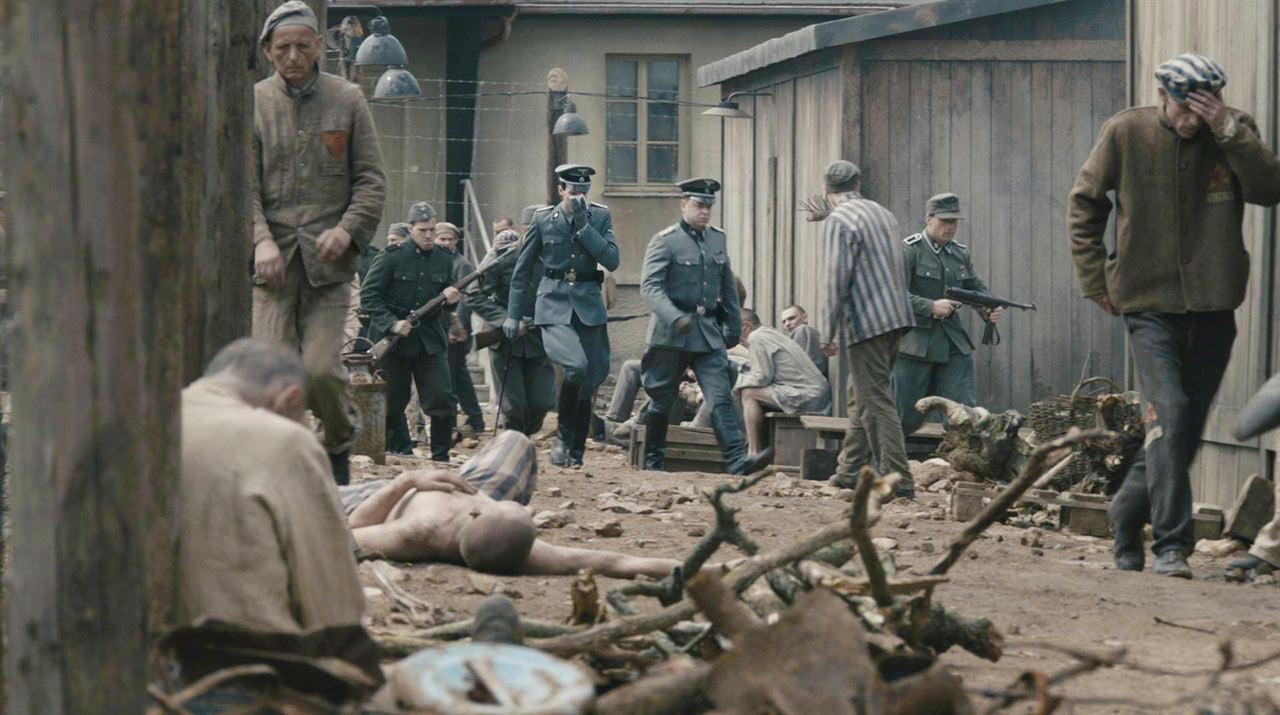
{"x":433,"y":306}
{"x":990,"y":335}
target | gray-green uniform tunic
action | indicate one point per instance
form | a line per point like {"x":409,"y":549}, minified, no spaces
{"x":936,"y":356}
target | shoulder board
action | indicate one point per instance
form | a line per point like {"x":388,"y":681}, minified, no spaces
{"x":913,"y":239}
{"x":716,"y":228}
{"x":544,"y":208}
{"x":599,"y":206}
{"x":961,"y":245}
{"x":669,"y":230}
{"x":395,"y":247}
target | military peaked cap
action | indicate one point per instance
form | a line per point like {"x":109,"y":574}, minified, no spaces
{"x":702,"y":190}
{"x":575,"y":176}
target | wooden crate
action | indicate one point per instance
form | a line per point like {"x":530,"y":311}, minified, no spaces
{"x":689,"y":449}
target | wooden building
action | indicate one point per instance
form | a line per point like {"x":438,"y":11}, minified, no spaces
{"x":999,"y":102}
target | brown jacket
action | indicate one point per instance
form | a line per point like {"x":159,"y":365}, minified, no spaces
{"x":1179,"y":211}
{"x":318,"y":166}
{"x":263,"y":542}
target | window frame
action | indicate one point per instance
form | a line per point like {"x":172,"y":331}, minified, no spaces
{"x":642,"y":185}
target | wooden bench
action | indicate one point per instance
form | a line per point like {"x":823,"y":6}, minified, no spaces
{"x":689,"y":449}
{"x":807,"y":444}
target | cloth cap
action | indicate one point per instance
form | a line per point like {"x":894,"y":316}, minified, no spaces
{"x":399,"y":229}
{"x":575,"y":176}
{"x":293,"y":12}
{"x":842,"y":176}
{"x":526,"y":216}
{"x":421,"y":211}
{"x":702,"y":190}
{"x":1187,"y":73}
{"x":446,"y":227}
{"x":943,"y":206}
{"x":505,"y":238}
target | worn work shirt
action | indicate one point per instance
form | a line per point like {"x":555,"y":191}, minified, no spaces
{"x":808,"y":338}
{"x":262,"y":540}
{"x":780,"y":364}
{"x":1179,"y":212}
{"x":402,"y":279}
{"x":863,"y":270}
{"x":317,"y":166}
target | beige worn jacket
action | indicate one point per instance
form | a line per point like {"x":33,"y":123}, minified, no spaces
{"x":262,"y":539}
{"x":1179,"y":211}
{"x":318,"y":166}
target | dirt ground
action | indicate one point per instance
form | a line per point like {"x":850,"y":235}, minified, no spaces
{"x":1064,"y":591}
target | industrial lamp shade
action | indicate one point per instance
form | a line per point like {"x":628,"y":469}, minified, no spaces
{"x":381,"y":48}
{"x":728,"y":110}
{"x":570,"y":124}
{"x":396,"y":82}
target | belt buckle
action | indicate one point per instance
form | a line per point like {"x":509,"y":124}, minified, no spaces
{"x":571,"y":275}
{"x":702,"y":310}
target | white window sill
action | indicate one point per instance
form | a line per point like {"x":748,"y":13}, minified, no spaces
{"x":639,"y":192}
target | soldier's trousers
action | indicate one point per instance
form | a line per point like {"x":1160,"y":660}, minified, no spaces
{"x":582,"y":350}
{"x":311,"y":319}
{"x":662,"y":369}
{"x":430,"y":374}
{"x":527,"y":386}
{"x":872,"y":414}
{"x":1179,"y":359}
{"x":464,"y":389}
{"x":913,"y":379}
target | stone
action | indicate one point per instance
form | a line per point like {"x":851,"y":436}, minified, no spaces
{"x":1254,"y":507}
{"x":817,"y":464}
{"x":1263,"y":579}
{"x":568,"y":504}
{"x":361,"y":460}
{"x":845,"y":495}
{"x":626,"y":507}
{"x":932,"y":470}
{"x":555,"y":492}
{"x":697,"y":531}
{"x":553,"y":519}
{"x":940,"y":486}
{"x":829,"y":491}
{"x":884,"y":543}
{"x":1033,"y":538}
{"x":927,"y":548}
{"x":609,"y":529}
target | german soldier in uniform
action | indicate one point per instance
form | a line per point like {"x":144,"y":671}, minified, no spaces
{"x":936,"y":356}
{"x":573,"y":239}
{"x":401,"y":279}
{"x":525,"y":379}
{"x":688,"y":284}
{"x":447,"y":236}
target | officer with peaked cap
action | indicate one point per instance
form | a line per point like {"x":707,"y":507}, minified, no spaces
{"x":936,"y":356}
{"x":688,"y":283}
{"x":573,"y":240}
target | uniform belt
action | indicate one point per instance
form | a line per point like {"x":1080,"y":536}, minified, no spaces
{"x":575,"y":277}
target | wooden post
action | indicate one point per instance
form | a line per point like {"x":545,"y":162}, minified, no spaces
{"x":462,"y":65}
{"x":98,"y":282}
{"x":219,"y":40}
{"x":557,"y":147}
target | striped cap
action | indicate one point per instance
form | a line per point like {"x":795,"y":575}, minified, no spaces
{"x":1189,"y":72}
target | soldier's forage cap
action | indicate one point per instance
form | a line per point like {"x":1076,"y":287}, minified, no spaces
{"x":446,"y":227}
{"x":421,"y":211}
{"x":526,"y":216}
{"x":575,"y":176}
{"x":293,"y":12}
{"x":701,"y":190}
{"x":842,"y":176}
{"x":943,"y":206}
{"x":399,"y":229}
{"x":1187,"y":73}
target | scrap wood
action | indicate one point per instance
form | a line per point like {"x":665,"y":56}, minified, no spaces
{"x":421,"y":612}
{"x":398,"y":645}
{"x":738,"y":579}
{"x":1052,"y":474}
{"x":944,"y":630}
{"x":588,"y":610}
{"x":822,"y":575}
{"x":1036,"y":466}
{"x":859,"y":531}
{"x":677,"y":690}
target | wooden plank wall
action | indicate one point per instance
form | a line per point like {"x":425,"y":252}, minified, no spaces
{"x":1008,"y":137}
{"x":817,"y":144}
{"x":1241,"y":36}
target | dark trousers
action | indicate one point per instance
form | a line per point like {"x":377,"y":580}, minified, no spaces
{"x":661,"y":372}
{"x":914,"y":379}
{"x":435,"y":394}
{"x":1179,"y":359}
{"x":582,"y":351}
{"x":464,"y":389}
{"x":526,"y":389}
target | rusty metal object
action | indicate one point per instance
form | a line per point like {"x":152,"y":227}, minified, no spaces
{"x":369,"y":392}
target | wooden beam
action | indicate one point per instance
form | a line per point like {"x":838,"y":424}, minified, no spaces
{"x":219,"y":41}
{"x":95,"y":153}
{"x":996,"y":51}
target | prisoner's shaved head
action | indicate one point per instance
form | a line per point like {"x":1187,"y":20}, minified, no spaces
{"x":498,"y":540}
{"x":264,"y":373}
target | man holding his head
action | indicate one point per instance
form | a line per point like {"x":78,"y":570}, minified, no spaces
{"x":1182,"y":172}
{"x":262,"y":540}
{"x":318,"y":196}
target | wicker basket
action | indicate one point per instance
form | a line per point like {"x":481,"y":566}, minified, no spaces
{"x":1053,"y":416}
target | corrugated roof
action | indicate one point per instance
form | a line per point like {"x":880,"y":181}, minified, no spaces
{"x":642,"y":7}
{"x":916,"y":15}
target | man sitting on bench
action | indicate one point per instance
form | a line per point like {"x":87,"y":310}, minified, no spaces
{"x":782,"y":377}
{"x":476,"y":518}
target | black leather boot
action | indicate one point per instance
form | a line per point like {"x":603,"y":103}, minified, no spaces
{"x":340,"y":464}
{"x":655,"y":441}
{"x":441,"y":438}
{"x":567,"y":408}
{"x":581,"y":426}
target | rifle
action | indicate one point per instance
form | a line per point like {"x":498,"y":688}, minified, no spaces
{"x":433,"y":306}
{"x":493,"y":336}
{"x":990,"y":335}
